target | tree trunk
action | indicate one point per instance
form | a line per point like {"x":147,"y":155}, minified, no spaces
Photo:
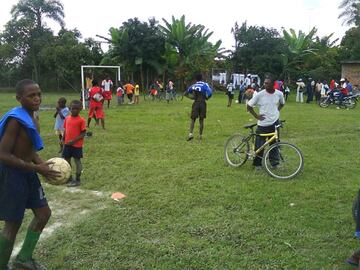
{"x":35,"y":71}
{"x":141,"y":76}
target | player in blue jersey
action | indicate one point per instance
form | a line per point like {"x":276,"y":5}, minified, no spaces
{"x":199,"y":92}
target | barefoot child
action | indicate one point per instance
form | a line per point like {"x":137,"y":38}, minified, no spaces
{"x":61,"y":112}
{"x":75,"y":130}
{"x":19,"y":165}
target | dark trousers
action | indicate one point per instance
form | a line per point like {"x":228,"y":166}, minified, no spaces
{"x":241,"y":96}
{"x":310,"y":96}
{"x":260,"y":140}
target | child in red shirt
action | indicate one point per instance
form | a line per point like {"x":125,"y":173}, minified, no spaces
{"x":96,"y":104}
{"x":73,"y":140}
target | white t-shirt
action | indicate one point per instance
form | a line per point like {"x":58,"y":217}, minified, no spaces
{"x":268,"y":106}
{"x":247,"y":81}
{"x":230,"y":88}
{"x":107,"y":85}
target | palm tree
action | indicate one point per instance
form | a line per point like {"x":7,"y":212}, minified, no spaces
{"x":35,"y":10}
{"x":350,"y":12}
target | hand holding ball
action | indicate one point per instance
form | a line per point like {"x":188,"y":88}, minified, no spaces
{"x":63,"y":167}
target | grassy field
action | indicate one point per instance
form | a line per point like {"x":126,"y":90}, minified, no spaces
{"x":185,"y":209}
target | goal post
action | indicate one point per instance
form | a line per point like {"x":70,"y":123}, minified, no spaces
{"x":83,"y":67}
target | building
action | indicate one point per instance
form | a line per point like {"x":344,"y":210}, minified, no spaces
{"x":351,"y":71}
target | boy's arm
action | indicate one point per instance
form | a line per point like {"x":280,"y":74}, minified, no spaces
{"x":82,"y":135}
{"x":36,"y":159}
{"x":7,"y":144}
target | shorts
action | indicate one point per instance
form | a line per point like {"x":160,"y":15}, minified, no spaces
{"x":107,"y":95}
{"x":198,"y":110}
{"x":168,"y":95}
{"x":70,"y":151}
{"x":59,"y":132}
{"x":130,"y":96}
{"x":153,"y":92}
{"x":96,"y":111}
{"x":230,"y":95}
{"x":19,"y":190}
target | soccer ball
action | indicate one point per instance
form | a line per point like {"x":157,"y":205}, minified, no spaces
{"x":98,"y":97}
{"x":62,"y":166}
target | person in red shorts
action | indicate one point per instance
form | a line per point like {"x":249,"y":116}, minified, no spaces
{"x":96,"y":104}
{"x":107,"y":86}
{"x":73,"y":140}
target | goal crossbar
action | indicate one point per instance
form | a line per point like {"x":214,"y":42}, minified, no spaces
{"x":92,"y":66}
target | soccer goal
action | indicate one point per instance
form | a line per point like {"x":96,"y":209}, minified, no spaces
{"x":83,"y":67}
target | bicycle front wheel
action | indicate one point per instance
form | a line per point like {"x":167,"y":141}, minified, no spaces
{"x":236,"y":150}
{"x":283,"y":160}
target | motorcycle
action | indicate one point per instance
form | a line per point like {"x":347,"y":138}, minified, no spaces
{"x":348,"y":102}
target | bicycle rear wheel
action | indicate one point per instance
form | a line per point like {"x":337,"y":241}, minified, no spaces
{"x":236,"y":150}
{"x":283,"y":160}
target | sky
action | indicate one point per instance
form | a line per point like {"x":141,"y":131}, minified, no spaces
{"x":92,"y":17}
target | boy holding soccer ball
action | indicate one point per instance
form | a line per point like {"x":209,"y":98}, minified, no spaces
{"x":20,"y":187}
{"x":73,"y":140}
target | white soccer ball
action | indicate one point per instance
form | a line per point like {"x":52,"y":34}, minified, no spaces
{"x":98,"y":97}
{"x":62,"y":166}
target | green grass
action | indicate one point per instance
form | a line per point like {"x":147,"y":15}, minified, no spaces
{"x":185,"y":209}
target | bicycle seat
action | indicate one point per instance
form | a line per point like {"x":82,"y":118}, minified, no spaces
{"x":250,"y":126}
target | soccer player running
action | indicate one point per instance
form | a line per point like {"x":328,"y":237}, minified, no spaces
{"x":200,"y":92}
{"x":20,"y":187}
{"x":270,"y":101}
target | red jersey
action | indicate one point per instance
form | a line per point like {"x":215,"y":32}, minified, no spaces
{"x":345,"y":91}
{"x":93,"y":91}
{"x":73,"y":126}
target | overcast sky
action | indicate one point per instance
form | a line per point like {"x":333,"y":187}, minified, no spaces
{"x":96,"y":17}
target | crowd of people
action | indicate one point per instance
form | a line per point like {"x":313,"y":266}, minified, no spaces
{"x":312,"y":89}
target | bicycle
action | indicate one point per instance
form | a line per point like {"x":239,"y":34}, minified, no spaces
{"x":288,"y":164}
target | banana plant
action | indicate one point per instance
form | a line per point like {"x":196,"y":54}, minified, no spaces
{"x":299,"y":46}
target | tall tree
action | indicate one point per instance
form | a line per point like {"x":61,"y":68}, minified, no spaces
{"x":350,"y":45}
{"x":31,"y":14}
{"x":36,"y":10}
{"x":350,"y":13}
{"x":138,"y":46}
{"x":258,"y":50}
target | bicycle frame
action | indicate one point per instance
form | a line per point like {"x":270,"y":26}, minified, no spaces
{"x":274,"y":136}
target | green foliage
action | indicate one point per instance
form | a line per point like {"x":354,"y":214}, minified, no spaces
{"x":138,"y":46}
{"x":298,"y":47}
{"x":191,"y":43}
{"x":36,"y":10}
{"x":350,"y":12}
{"x":258,"y":50}
{"x":64,"y":55}
{"x":350,"y":45}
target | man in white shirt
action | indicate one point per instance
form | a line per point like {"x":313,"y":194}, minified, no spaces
{"x":270,"y":102}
